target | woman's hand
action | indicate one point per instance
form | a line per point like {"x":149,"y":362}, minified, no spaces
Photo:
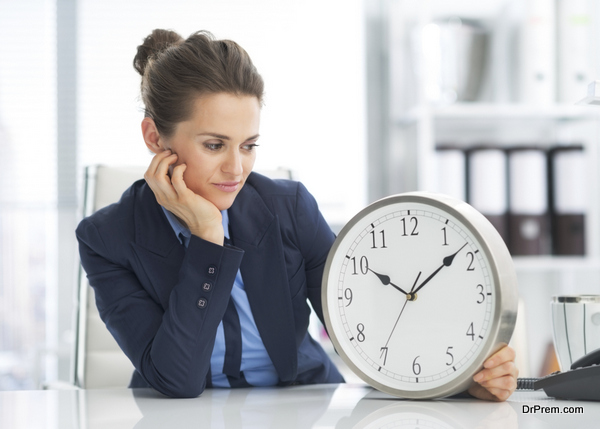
{"x":201,"y":216}
{"x":498,"y":378}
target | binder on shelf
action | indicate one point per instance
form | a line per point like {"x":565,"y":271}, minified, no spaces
{"x":575,"y":45}
{"x":487,"y":185}
{"x":537,"y":53}
{"x":568,"y":201}
{"x":528,"y":219}
{"x":451,"y":171}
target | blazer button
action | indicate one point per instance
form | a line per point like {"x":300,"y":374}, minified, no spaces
{"x":206,"y":286}
{"x":212,"y":270}
{"x":202,"y":303}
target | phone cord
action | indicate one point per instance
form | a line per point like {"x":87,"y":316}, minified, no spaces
{"x":526,"y":383}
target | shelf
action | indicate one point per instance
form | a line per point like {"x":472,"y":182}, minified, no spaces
{"x":495,"y":111}
{"x":515,"y":111}
{"x":555,"y":263}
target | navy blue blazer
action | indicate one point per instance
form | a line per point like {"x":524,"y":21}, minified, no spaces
{"x":150,"y":289}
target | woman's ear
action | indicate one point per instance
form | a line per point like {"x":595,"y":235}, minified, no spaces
{"x":151,"y":136}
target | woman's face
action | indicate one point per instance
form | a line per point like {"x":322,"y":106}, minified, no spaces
{"x":217,"y":144}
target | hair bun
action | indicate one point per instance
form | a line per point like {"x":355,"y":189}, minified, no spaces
{"x":156,"y":42}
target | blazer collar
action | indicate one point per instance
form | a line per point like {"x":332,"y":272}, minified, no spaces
{"x":152,"y":229}
{"x":249,"y":217}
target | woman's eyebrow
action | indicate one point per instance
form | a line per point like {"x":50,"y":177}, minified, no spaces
{"x":223,"y":137}
{"x":215,"y":135}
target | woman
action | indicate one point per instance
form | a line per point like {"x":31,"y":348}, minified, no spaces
{"x":202,"y":272}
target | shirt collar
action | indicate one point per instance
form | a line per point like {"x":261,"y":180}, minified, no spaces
{"x":225,"y":217}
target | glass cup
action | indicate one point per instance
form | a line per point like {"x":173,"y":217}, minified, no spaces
{"x":576,"y":327}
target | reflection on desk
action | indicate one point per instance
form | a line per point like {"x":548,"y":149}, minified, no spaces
{"x":315,"y":406}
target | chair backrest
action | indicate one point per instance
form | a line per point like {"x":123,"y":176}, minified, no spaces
{"x":99,"y":362}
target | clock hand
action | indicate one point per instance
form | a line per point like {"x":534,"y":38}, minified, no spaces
{"x":445,"y":263}
{"x":402,"y":311}
{"x":386,"y":281}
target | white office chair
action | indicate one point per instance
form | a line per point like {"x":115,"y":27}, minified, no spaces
{"x":99,"y":362}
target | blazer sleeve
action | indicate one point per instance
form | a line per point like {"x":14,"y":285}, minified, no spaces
{"x":170,"y":347}
{"x":315,"y":239}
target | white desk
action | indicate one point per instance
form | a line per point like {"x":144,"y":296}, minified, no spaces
{"x":316,"y":406}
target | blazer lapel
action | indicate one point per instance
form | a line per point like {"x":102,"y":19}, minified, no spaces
{"x":254,"y":229}
{"x":159,"y":252}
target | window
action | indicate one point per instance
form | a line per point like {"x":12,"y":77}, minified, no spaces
{"x":27,"y":191}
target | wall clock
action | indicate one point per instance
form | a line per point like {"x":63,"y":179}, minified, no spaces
{"x":418,"y":290}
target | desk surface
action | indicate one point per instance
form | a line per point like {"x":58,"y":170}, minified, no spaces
{"x":315,"y":406}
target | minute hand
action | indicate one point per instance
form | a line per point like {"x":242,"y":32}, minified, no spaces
{"x":445,"y":263}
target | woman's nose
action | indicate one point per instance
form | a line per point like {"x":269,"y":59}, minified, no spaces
{"x":233,"y":163}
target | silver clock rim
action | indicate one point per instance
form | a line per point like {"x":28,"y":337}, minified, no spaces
{"x":503,"y":272}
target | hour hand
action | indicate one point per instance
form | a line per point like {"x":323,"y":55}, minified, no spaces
{"x":386,"y":281}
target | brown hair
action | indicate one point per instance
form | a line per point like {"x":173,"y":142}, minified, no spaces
{"x":176,"y":71}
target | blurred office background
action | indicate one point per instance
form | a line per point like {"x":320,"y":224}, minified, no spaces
{"x":362,"y":98}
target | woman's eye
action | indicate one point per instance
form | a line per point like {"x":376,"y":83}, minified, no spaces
{"x":250,"y":147}
{"x":213,"y":146}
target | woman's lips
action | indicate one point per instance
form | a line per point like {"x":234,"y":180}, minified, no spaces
{"x":227,"y":186}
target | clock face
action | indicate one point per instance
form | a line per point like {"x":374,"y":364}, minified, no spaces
{"x":412,"y":297}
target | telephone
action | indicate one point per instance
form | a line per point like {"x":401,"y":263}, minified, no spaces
{"x":581,"y":382}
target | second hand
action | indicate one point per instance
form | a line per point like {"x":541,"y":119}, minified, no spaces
{"x":402,"y":311}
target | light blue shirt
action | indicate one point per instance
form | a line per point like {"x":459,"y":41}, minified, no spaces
{"x":256,"y":363}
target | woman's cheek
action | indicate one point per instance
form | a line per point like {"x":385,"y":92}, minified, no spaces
{"x":191,"y":181}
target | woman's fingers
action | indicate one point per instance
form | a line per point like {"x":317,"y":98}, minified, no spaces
{"x":177,"y":179}
{"x":507,"y":381}
{"x":156,"y":159}
{"x":506,"y":368}
{"x":505,"y":354}
{"x":489,"y":394}
{"x":498,"y":379}
{"x":157,"y":176}
{"x":199,"y":206}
